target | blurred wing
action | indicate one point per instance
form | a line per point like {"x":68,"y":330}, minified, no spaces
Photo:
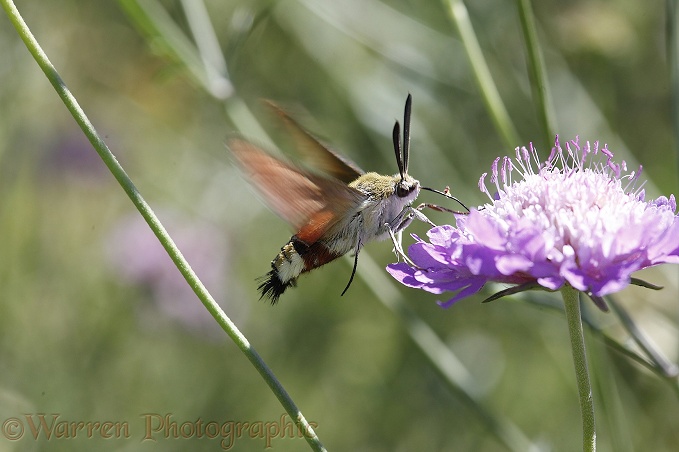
{"x":311,"y":204}
{"x":317,"y":154}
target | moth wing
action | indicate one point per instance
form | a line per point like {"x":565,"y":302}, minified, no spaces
{"x":311,"y":204}
{"x":315,"y":153}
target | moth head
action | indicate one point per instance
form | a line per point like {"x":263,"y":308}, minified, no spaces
{"x":406,"y":186}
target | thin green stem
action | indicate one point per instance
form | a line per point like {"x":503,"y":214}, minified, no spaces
{"x":571,"y":303}
{"x":217,"y":77}
{"x":491,"y":96}
{"x":669,"y":369}
{"x":176,"y":45}
{"x":145,"y":210}
{"x":538,"y":72}
{"x":672,"y":13}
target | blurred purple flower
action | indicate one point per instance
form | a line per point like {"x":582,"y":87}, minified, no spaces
{"x":581,"y":223}
{"x":71,"y":154}
{"x":139,"y":259}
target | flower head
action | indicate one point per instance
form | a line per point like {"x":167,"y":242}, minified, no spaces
{"x":577,"y":220}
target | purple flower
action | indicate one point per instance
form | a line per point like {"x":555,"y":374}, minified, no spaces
{"x":138,"y":259}
{"x":577,"y":220}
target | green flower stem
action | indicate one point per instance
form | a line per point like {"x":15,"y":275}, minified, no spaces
{"x":669,"y":370}
{"x":145,"y":210}
{"x":538,"y":73}
{"x":217,"y":82}
{"x":491,"y":96}
{"x":571,"y":303}
{"x":672,"y":45}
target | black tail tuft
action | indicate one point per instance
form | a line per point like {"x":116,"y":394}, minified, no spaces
{"x":272,"y":287}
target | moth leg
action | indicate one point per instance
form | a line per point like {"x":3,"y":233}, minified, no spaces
{"x":395,"y":229}
{"x":398,"y":248}
{"x":422,"y":217}
{"x":402,"y":221}
{"x":353,"y":271}
{"x":396,"y":226}
{"x":437,"y":208}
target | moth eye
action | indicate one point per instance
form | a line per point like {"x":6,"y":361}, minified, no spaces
{"x":402,"y":191}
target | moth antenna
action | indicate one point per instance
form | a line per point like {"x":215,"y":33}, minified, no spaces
{"x":396,"y":136}
{"x":406,"y":133}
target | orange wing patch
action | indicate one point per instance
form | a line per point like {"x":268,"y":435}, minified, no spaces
{"x":317,"y":226}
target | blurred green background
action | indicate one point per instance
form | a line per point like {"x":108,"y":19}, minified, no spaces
{"x":95,"y":324}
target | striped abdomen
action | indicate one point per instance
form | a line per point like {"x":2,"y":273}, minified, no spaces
{"x":296,"y":257}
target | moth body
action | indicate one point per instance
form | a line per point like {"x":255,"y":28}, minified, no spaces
{"x":334,"y":213}
{"x":369,"y":221}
